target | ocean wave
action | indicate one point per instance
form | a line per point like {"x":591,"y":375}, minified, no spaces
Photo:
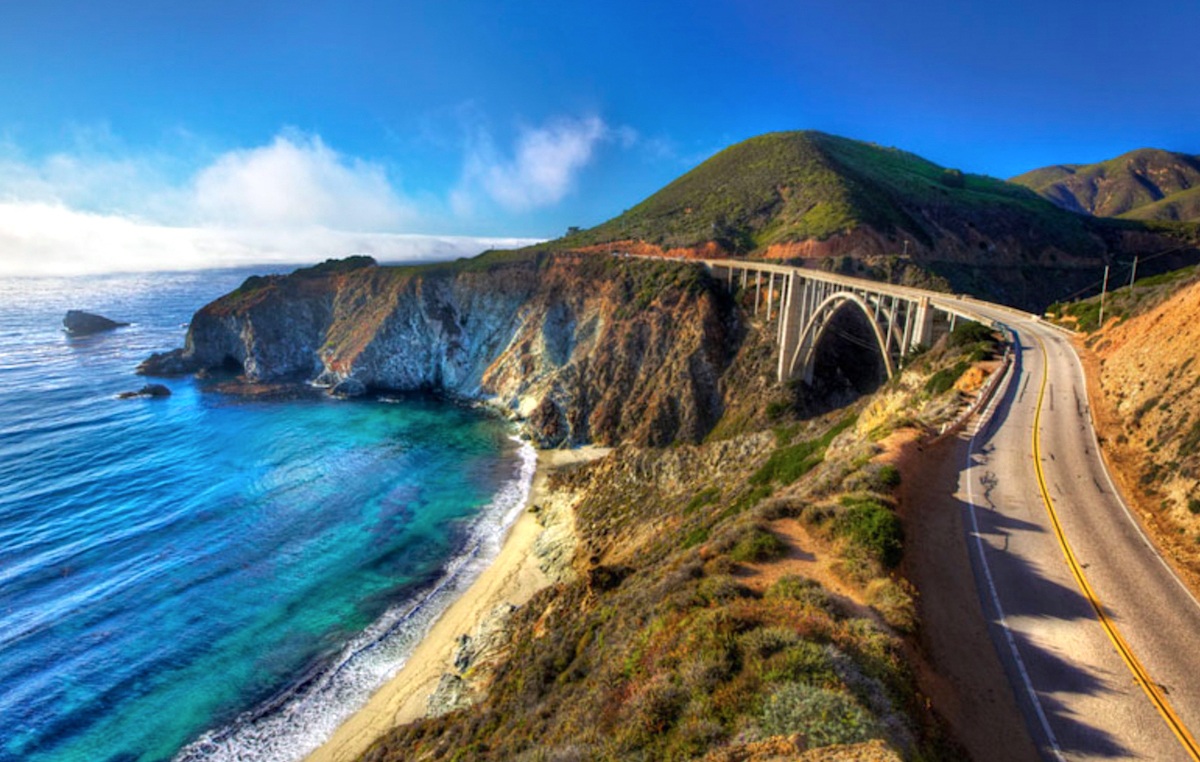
{"x":299,"y":719}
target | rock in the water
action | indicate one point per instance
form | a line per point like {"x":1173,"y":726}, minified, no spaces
{"x":154,"y":391}
{"x":79,"y":323}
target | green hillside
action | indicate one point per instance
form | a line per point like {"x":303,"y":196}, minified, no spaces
{"x":1146,"y":184}
{"x":1181,"y":206}
{"x":794,"y":186}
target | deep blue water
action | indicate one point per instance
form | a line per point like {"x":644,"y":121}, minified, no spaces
{"x":211,"y":576}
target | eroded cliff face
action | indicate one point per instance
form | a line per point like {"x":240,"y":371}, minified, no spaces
{"x":585,"y":348}
{"x":1148,"y":413}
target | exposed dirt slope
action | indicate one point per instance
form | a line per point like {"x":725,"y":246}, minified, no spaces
{"x":1148,"y":411}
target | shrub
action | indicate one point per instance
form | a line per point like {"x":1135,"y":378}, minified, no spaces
{"x":953,"y":178}
{"x":944,"y":379}
{"x":765,"y":642}
{"x":694,"y":537}
{"x":778,"y":508}
{"x":969,"y":332}
{"x":1194,"y":505}
{"x":894,"y":602}
{"x":1190,"y":441}
{"x":757,"y":545}
{"x":887,"y":477}
{"x":824,"y":717}
{"x":653,"y":710}
{"x":721,"y":589}
{"x":787,"y":464}
{"x":871,"y":526}
{"x":859,"y":565}
{"x":778,"y":409}
{"x":979,"y":354}
{"x":804,"y":662}
{"x":801,"y":589}
{"x":704,"y":497}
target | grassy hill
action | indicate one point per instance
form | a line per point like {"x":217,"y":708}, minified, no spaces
{"x":1147,"y":184}
{"x":793,"y":186}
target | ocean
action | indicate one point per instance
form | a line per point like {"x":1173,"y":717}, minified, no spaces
{"x":210,"y":576}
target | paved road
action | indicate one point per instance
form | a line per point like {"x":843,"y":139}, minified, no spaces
{"x":1080,"y":697}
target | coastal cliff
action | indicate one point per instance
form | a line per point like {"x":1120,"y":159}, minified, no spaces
{"x":583,"y":348}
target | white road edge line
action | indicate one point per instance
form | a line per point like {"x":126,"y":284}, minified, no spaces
{"x":987,"y":573}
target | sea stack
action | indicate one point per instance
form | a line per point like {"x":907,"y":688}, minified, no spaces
{"x":79,"y":323}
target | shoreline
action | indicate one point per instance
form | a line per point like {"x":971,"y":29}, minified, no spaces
{"x":512,"y":578}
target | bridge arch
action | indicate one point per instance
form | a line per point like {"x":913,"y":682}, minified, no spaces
{"x":814,"y":330}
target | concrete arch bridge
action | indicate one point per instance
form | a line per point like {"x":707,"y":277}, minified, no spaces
{"x":806,"y":302}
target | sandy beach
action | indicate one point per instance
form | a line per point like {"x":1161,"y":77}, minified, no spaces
{"x":512,"y":578}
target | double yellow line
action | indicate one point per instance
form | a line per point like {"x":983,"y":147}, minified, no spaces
{"x":1153,"y":691}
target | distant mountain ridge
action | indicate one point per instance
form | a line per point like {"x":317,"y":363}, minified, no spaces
{"x":1146,"y":184}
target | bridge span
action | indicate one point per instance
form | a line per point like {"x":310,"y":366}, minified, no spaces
{"x":903,"y":319}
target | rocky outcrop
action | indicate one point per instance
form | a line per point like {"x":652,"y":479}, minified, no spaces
{"x":153,"y":391}
{"x":79,"y":323}
{"x":582,"y":347}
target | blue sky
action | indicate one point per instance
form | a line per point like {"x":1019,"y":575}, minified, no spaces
{"x":171,"y":134}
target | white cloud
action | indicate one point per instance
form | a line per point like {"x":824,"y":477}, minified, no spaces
{"x":541,"y":170}
{"x":38,"y":238}
{"x":297,"y":180}
{"x":99,"y":207}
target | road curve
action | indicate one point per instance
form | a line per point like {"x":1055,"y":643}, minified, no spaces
{"x":1081,"y":698}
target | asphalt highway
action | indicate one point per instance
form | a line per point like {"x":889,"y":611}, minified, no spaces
{"x":1099,"y":639}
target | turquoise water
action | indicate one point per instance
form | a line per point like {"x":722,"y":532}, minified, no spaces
{"x":208,"y":576}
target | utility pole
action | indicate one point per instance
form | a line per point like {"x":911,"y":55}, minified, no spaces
{"x":1103,"y":293}
{"x":1133,"y":275}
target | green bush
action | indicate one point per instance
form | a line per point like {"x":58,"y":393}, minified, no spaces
{"x":721,"y":589}
{"x":887,"y":477}
{"x":702,"y":498}
{"x":822,"y":716}
{"x":787,"y":464}
{"x":778,"y":409}
{"x":758,"y":545}
{"x":969,"y":332}
{"x":894,"y":602}
{"x":1190,"y":441}
{"x":953,"y":178}
{"x":944,"y":379}
{"x":803,"y":662}
{"x":765,"y":642}
{"x":800,"y":589}
{"x":873,"y":527}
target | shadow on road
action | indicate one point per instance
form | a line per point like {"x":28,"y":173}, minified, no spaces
{"x":963,"y":640}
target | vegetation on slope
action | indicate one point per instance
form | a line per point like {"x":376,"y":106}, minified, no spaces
{"x":1181,"y":206}
{"x":692,"y":629}
{"x":1124,"y":302}
{"x":794,"y":186}
{"x":1144,"y":184}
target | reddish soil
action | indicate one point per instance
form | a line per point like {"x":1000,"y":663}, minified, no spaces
{"x":955,"y":661}
{"x":1125,"y":462}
